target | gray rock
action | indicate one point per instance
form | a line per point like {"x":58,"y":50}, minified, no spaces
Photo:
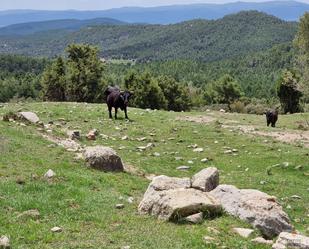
{"x":243,"y":232}
{"x":120,"y":206}
{"x":290,"y":240}
{"x":206,"y":180}
{"x":183,"y":168}
{"x":195,"y":218}
{"x":175,"y":204}
{"x":75,"y":134}
{"x":4,"y":242}
{"x":103,"y":158}
{"x":29,"y":117}
{"x":56,"y":229}
{"x":50,"y":174}
{"x":259,"y":209}
{"x":261,"y":240}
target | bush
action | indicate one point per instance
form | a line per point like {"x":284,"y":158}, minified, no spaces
{"x":238,"y":107}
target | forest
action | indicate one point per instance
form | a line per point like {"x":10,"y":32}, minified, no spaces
{"x":250,"y":50}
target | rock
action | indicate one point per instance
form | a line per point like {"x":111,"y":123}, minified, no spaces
{"x":120,"y":206}
{"x":4,"y":242}
{"x":206,"y":180}
{"x":20,"y":181}
{"x":290,"y":240}
{"x":204,"y":160}
{"x":228,"y":152}
{"x":178,"y":158}
{"x":259,"y":209}
{"x":209,"y":240}
{"x":222,"y":110}
{"x":103,"y":158}
{"x":73,"y":134}
{"x":156,"y":154}
{"x":183,"y":168}
{"x":213,"y":230}
{"x":261,"y":240}
{"x":92,"y":135}
{"x":198,"y":150}
{"x":296,"y":197}
{"x":168,"y":202}
{"x":56,"y":229}
{"x":126,"y":247}
{"x":50,"y":174}
{"x":195,"y":218}
{"x":130,"y":200}
{"x":28,"y":116}
{"x":243,"y":232}
{"x":33,"y":214}
{"x":125,"y":138}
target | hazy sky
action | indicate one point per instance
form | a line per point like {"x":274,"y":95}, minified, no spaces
{"x":99,"y":4}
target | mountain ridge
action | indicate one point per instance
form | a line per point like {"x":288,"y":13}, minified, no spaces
{"x":286,"y":10}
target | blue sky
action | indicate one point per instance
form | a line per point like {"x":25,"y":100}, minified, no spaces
{"x":99,"y":4}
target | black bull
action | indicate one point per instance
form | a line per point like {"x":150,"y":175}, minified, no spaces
{"x":117,"y":99}
{"x":272,"y":118}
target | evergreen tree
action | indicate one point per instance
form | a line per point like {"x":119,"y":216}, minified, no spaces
{"x":84,"y":73}
{"x":289,"y":92}
{"x":53,"y":81}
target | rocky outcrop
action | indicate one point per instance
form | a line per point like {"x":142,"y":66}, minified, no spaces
{"x":103,"y":158}
{"x":171,"y":198}
{"x":206,"y":180}
{"x":290,"y":240}
{"x":255,"y":207}
{"x":28,"y":116}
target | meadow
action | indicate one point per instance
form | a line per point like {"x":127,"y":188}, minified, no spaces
{"x":82,"y":201}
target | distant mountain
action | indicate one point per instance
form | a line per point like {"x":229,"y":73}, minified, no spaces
{"x":286,"y":10}
{"x":66,"y":24}
{"x":202,"y":40}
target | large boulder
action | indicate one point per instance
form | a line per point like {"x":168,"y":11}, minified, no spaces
{"x":175,"y":204}
{"x":290,"y":240}
{"x":255,"y":207}
{"x":171,"y":198}
{"x":29,"y":117}
{"x":103,"y":158}
{"x":206,"y":180}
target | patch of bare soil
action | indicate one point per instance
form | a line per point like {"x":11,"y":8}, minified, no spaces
{"x":198,"y":119}
{"x":286,"y":136}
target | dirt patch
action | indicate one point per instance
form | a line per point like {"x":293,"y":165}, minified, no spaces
{"x":286,"y":136}
{"x":198,"y":119}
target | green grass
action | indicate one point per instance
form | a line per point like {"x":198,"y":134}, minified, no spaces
{"x":82,"y":201}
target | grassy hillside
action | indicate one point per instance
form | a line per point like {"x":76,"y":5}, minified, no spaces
{"x":82,"y":201}
{"x":201,"y":40}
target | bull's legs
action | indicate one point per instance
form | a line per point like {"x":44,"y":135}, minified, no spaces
{"x":110,"y":112}
{"x":273,"y":124}
{"x":126,"y":113}
{"x":116,"y":111}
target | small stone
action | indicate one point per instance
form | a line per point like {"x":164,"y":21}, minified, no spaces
{"x":243,"y":232}
{"x":190,"y":162}
{"x":209,"y":240}
{"x":4,"y":242}
{"x":141,"y":139}
{"x":222,"y":110}
{"x":56,"y":229}
{"x":125,"y":138}
{"x":198,"y":150}
{"x":130,"y":200}
{"x":181,"y":158}
{"x":234,"y":150}
{"x":261,"y":240}
{"x":183,"y":168}
{"x":228,"y":152}
{"x":296,"y":197}
{"x":156,"y":154}
{"x":205,"y":160}
{"x":126,"y":247}
{"x":195,"y":218}
{"x":50,"y":174}
{"x":120,"y":206}
{"x":20,"y":181}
